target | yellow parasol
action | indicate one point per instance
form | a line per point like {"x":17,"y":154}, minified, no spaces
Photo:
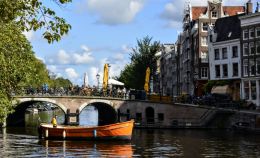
{"x":105,"y":77}
{"x":147,"y":78}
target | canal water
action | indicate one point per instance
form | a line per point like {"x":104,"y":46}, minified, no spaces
{"x":23,"y":142}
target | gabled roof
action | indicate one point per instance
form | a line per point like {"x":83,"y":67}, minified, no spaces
{"x":228,"y":10}
{"x":228,"y":28}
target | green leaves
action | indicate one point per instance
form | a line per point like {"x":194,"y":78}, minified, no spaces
{"x":33,"y":15}
{"x":143,"y":56}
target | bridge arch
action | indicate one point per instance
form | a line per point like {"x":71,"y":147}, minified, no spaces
{"x":82,"y":106}
{"x":107,"y":113}
{"x":24,"y":100}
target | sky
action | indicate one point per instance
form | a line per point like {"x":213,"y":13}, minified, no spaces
{"x":105,"y":31}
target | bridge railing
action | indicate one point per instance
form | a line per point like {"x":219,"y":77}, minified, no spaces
{"x":74,"y":92}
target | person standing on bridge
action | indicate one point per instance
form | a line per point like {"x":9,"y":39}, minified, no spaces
{"x":54,"y":121}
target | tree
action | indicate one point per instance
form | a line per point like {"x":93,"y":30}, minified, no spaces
{"x":15,"y":65}
{"x":143,"y":56}
{"x":33,"y":15}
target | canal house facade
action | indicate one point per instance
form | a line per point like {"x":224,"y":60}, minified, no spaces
{"x":250,"y":56}
{"x":194,"y":54}
{"x":224,"y":53}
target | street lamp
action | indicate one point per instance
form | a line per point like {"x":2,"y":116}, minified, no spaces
{"x":108,"y":70}
{"x":98,"y":76}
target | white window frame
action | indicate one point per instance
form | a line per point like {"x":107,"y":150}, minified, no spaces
{"x":223,"y":75}
{"x":204,"y":72}
{"x":204,"y":41}
{"x":257,"y":48}
{"x":216,"y":71}
{"x":204,"y":24}
{"x":214,"y":14}
{"x":234,"y":56}
{"x":245,"y":68}
{"x":257,"y":30}
{"x":216,"y":53}
{"x":234,"y":71}
{"x":225,"y":48}
{"x":251,"y":32}
{"x":252,"y":65}
{"x":251,"y":45}
{"x":244,"y":33}
{"x":245,"y":45}
{"x":246,"y":87}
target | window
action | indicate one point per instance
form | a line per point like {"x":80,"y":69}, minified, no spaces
{"x":214,"y":14}
{"x":216,"y":52}
{"x":235,"y":69}
{"x":257,"y":32}
{"x":205,"y":26}
{"x":224,"y":53}
{"x":160,"y":116}
{"x":245,"y":65}
{"x":252,"y":67}
{"x":225,"y":70}
{"x":246,"y":50}
{"x":246,"y":90}
{"x":252,"y":48}
{"x":217,"y":71}
{"x":245,"y":34}
{"x":204,"y":57}
{"x":258,"y":66}
{"x":253,"y":90}
{"x":234,"y":51}
{"x":258,"y":47}
{"x":251,"y":33}
{"x":204,"y":41}
{"x":204,"y":72}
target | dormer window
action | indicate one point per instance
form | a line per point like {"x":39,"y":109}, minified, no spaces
{"x":214,"y":14}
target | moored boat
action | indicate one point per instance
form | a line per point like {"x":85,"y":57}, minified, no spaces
{"x":120,"y":131}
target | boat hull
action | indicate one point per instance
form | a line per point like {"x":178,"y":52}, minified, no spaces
{"x":119,"y":131}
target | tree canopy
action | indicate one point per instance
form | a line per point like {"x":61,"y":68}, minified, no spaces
{"x":143,"y":56}
{"x":33,"y":15}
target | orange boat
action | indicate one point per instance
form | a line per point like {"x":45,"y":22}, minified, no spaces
{"x":120,"y":131}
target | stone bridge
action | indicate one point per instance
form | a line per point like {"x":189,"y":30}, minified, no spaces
{"x":146,"y":113}
{"x":73,"y":103}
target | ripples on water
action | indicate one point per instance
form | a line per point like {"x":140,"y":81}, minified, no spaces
{"x":22,"y":142}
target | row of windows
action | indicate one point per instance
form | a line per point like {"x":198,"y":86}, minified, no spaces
{"x":225,"y":70}
{"x":251,"y":67}
{"x":251,"y":48}
{"x":251,"y":33}
{"x":225,"y":54}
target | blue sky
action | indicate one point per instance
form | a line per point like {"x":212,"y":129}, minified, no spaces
{"x":104,"y":31}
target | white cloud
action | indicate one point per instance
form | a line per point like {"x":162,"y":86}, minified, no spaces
{"x":29,"y":35}
{"x":173,"y":11}
{"x":52,"y":68}
{"x":84,"y":58}
{"x":113,"y":12}
{"x":126,"y":48}
{"x":118,"y":56}
{"x":71,"y":73}
{"x":63,"y":57}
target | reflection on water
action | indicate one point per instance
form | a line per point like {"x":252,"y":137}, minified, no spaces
{"x":17,"y":142}
{"x":23,"y":142}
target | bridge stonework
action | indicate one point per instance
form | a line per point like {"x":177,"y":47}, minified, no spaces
{"x":72,"y":103}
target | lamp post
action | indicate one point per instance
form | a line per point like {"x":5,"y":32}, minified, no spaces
{"x":108,"y":70}
{"x":98,"y":76}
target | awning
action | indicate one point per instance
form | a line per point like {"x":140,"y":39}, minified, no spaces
{"x":115,"y":82}
{"x":221,"y":89}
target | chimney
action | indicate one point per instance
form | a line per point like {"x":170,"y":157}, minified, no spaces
{"x":249,"y":7}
